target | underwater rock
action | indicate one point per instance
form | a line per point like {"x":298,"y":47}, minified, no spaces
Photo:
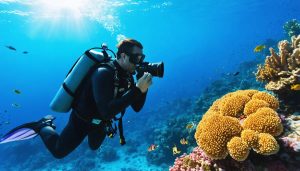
{"x":109,"y":154}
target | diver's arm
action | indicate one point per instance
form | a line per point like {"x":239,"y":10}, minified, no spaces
{"x":103,"y":90}
{"x":139,"y":102}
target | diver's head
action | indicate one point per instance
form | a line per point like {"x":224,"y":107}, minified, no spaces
{"x":130,"y":53}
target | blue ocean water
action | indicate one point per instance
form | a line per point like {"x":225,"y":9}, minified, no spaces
{"x":197,"y":40}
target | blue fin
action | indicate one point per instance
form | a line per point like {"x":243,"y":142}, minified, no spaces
{"x":22,"y":132}
{"x":28,"y":130}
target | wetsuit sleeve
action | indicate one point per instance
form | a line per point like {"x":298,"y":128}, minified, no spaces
{"x":103,"y":91}
{"x":139,"y":102}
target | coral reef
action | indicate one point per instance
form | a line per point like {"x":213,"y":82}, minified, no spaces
{"x":197,"y":160}
{"x":281,"y":71}
{"x":292,"y":28}
{"x":291,"y":137}
{"x":267,"y":145}
{"x":219,"y":131}
{"x":264,"y":120}
{"x":238,"y":149}
{"x":168,"y":134}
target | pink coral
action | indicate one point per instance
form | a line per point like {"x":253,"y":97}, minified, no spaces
{"x":292,"y":143}
{"x":197,"y":160}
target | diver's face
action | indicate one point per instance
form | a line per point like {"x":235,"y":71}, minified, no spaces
{"x":129,"y":66}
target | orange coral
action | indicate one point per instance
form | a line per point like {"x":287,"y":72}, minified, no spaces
{"x":273,"y":102}
{"x":213,"y":135}
{"x":253,"y":105}
{"x":267,"y":144}
{"x":264,"y":120}
{"x":249,"y":92}
{"x":234,"y":105}
{"x":221,"y":123}
{"x":238,"y":149}
{"x":250,"y":137}
{"x":279,"y":69}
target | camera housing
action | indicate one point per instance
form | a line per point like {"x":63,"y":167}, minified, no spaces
{"x":155,"y":69}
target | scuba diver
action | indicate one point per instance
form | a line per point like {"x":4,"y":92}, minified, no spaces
{"x":97,"y":90}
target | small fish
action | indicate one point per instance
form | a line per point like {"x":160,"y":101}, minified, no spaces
{"x":236,"y":73}
{"x":176,"y":150}
{"x":190,"y":125}
{"x":152,"y":147}
{"x":259,"y":48}
{"x":184,"y":141}
{"x":6,"y":122}
{"x":5,"y":111}
{"x":11,"y":48}
{"x":295,"y":87}
{"x":25,"y":52}
{"x":15,"y":105}
{"x":17,"y":91}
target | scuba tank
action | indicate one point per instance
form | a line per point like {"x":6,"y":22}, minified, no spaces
{"x":62,"y":101}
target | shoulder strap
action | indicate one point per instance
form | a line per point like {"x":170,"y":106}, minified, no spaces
{"x":116,"y":78}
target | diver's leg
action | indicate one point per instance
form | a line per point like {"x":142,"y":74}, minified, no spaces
{"x":72,"y":135}
{"x":96,"y":136}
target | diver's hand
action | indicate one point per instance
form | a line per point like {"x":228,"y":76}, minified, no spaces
{"x":144,"y":82}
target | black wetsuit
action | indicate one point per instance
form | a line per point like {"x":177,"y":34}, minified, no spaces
{"x":95,"y":100}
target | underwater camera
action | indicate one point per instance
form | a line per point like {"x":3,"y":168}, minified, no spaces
{"x":155,"y":69}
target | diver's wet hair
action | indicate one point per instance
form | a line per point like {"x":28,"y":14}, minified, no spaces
{"x":126,"y":45}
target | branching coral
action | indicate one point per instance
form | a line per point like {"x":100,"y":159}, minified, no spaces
{"x":221,"y":129}
{"x":281,"y":70}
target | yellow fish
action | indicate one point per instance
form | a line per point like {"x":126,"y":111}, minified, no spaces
{"x":190,"y":125}
{"x":175,"y":150}
{"x":295,"y":87}
{"x":259,"y":48}
{"x":184,"y":141}
{"x":152,"y":147}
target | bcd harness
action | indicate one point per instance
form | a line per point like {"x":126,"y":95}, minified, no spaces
{"x":110,"y":130}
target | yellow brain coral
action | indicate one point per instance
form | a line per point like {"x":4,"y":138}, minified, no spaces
{"x":253,"y":105}
{"x":249,"y":92}
{"x":264,"y":120}
{"x":238,"y":149}
{"x":234,"y":105}
{"x":250,"y":137}
{"x":267,"y":144}
{"x":213,"y":135}
{"x":273,"y":102}
{"x":243,"y":115}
